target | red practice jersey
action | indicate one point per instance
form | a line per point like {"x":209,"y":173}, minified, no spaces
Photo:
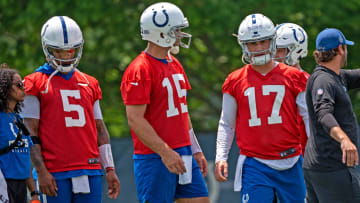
{"x":67,"y":127}
{"x":266,"y":123}
{"x":163,"y":88}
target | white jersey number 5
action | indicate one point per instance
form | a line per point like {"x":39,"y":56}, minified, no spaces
{"x":275,"y":117}
{"x":173,"y":111}
{"x":69,"y":121}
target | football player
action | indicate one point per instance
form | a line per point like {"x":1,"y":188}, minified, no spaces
{"x":260,"y":105}
{"x":154,"y":89}
{"x":291,"y":47}
{"x":62,"y":112}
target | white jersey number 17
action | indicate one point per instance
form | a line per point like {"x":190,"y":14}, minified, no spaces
{"x":275,"y":117}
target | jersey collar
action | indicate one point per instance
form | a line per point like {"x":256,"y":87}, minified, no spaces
{"x":46,"y":68}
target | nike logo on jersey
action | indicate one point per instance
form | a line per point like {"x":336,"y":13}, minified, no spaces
{"x":83,"y":84}
{"x":134,"y":83}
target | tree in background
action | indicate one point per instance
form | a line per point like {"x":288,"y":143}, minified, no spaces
{"x":112,"y":38}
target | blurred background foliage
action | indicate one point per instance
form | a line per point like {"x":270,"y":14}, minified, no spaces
{"x":112,"y":39}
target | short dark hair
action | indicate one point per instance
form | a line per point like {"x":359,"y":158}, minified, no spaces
{"x":326,"y":56}
{"x":6,"y":82}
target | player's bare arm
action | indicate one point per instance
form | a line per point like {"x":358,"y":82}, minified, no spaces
{"x":103,"y":134}
{"x":111,"y":177}
{"x":221,"y":171}
{"x":32,"y":187}
{"x":47,"y":183}
{"x":148,"y":136}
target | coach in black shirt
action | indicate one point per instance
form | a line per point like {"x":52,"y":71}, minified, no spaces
{"x":331,"y":153}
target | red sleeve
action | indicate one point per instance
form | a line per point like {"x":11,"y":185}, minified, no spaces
{"x":300,"y":80}
{"x":97,"y":91}
{"x":136,"y":85}
{"x":93,"y":85}
{"x":188,"y":87}
{"x":30,"y":87}
{"x":297,"y":78}
{"x":227,"y":86}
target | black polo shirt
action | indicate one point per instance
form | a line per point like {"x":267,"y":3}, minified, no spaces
{"x":329,"y":105}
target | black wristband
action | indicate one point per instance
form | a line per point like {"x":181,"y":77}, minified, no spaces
{"x":34,"y":193}
{"x":35,"y":139}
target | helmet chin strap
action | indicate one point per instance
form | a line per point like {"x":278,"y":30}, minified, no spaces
{"x":58,"y":68}
{"x":289,"y":61}
{"x":55,"y":72}
{"x":260,"y":60}
{"x":61,"y":68}
{"x":66,"y":69}
{"x":169,"y":55}
{"x":175,"y":49}
{"x":47,"y":84}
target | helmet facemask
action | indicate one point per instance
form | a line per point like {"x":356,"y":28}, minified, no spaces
{"x":254,"y":28}
{"x":290,"y":52}
{"x":183,"y":37}
{"x":286,"y":57}
{"x":294,"y":38}
{"x":249,"y":57}
{"x":63,"y":63}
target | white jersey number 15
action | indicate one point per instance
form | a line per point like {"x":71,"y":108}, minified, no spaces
{"x":173,"y":111}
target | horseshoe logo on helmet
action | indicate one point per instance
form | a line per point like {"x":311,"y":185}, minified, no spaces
{"x":166,"y":21}
{"x":303,"y":39}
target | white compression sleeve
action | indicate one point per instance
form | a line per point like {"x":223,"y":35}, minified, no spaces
{"x":31,"y":107}
{"x":97,"y":110}
{"x":195,"y":147}
{"x":226,"y":130}
{"x":106,"y":157}
{"x":301,"y":104}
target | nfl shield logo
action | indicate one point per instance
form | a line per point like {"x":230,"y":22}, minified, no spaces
{"x":320,"y":91}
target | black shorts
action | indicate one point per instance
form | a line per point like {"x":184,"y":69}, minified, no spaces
{"x":16,"y":190}
{"x":332,"y":187}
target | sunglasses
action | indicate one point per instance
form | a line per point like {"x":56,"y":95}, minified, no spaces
{"x":19,"y":85}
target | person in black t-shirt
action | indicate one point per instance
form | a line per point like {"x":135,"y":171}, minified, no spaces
{"x":332,"y":150}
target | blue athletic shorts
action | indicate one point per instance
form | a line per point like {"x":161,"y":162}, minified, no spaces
{"x":64,"y":193}
{"x":155,"y":183}
{"x":260,"y":183}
